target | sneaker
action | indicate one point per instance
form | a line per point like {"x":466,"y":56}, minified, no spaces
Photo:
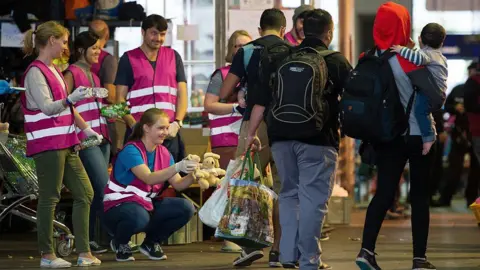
{"x":56,"y":264}
{"x":422,"y":264}
{"x":273,"y":259}
{"x":133,"y":247}
{"x":123,"y":253}
{"x":95,"y":248}
{"x":366,"y":260}
{"x":230,"y":247}
{"x":296,"y":265}
{"x":84,"y":261}
{"x":153,"y":252}
{"x":324,"y":237}
{"x":248,"y":257}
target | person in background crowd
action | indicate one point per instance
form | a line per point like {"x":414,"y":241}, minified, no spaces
{"x":141,"y":171}
{"x":306,"y":167}
{"x":436,"y":173}
{"x":152,"y":76}
{"x":461,"y":144}
{"x":392,"y":27}
{"x":296,"y":34}
{"x":272,"y":30}
{"x":472,"y":107}
{"x":95,"y":159}
{"x":50,"y":123}
{"x":225,"y":114}
{"x":106,"y":69}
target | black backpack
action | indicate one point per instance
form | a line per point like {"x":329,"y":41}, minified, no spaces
{"x":371,"y":109}
{"x":299,"y":109}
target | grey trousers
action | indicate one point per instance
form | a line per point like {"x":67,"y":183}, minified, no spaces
{"x":307,"y":173}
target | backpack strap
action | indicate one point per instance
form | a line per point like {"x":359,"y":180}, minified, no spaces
{"x":247,"y":54}
{"x":326,"y":53}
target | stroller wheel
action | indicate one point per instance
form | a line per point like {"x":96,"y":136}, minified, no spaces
{"x":64,"y":249}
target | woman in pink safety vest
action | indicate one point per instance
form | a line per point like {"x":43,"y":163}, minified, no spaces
{"x":225,"y":117}
{"x":296,"y":35}
{"x":141,"y":171}
{"x":95,"y":159}
{"x":50,"y":127}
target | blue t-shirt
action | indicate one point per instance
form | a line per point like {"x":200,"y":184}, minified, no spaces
{"x":129,"y":158}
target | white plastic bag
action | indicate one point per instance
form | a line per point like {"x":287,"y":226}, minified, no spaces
{"x":212,"y":211}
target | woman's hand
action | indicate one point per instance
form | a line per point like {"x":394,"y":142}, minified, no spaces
{"x":186,"y":166}
{"x":89,"y":132}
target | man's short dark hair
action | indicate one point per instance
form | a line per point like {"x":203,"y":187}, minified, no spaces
{"x":317,"y":22}
{"x":272,"y":19}
{"x":474,"y":65}
{"x":433,"y":35}
{"x":156,"y":21}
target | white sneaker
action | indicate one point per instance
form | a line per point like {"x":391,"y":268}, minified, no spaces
{"x":57,"y":263}
{"x":82,"y":261}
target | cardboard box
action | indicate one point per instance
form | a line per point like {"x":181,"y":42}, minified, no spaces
{"x":339,"y":210}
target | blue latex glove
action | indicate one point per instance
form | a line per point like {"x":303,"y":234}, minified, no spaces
{"x":5,"y":88}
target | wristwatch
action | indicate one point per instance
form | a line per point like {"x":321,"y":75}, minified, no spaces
{"x":179,"y":122}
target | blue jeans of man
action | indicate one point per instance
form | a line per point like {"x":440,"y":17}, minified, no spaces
{"x":95,"y":160}
{"x":307,"y":173}
{"x":168,"y":216}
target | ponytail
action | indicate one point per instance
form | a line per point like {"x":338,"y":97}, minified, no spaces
{"x":137,"y":133}
{"x":28,"y":43}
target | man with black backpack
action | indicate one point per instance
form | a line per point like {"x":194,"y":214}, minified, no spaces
{"x":244,"y":68}
{"x":300,"y":101}
{"x":378,"y":107}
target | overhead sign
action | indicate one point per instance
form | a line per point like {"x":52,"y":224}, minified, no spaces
{"x":461,"y":46}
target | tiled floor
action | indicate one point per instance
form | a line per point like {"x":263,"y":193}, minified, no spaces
{"x":454,"y":244}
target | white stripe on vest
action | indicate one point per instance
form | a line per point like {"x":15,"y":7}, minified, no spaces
{"x":32,"y":118}
{"x":89,"y":107}
{"x":232,"y":128}
{"x":158,"y":105}
{"x":94,"y":123}
{"x":129,"y":189}
{"x":148,"y":91}
{"x":38,"y":134}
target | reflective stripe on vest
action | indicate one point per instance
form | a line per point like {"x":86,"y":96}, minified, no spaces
{"x":153,"y":88}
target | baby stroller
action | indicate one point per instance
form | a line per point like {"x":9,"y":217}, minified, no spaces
{"x":21,"y":184}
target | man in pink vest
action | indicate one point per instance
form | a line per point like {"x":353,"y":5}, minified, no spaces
{"x":152,"y":76}
{"x":296,"y":35}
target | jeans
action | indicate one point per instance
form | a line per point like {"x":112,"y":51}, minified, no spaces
{"x":307,"y":173}
{"x":54,"y":168}
{"x":391,"y":160}
{"x":175,"y":146}
{"x":168,"y":216}
{"x":95,"y":160}
{"x":424,"y":118}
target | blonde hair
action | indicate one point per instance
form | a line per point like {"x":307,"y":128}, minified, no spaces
{"x":232,"y":42}
{"x":38,"y":38}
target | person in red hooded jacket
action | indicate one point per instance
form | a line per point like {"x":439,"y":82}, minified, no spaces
{"x":392,"y":26}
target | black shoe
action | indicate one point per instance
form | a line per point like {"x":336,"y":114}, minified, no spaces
{"x":247,"y":257}
{"x":273,"y":259}
{"x":96,"y":248}
{"x":153,"y":252}
{"x":366,"y":261}
{"x":422,"y":264}
{"x":123,"y":253}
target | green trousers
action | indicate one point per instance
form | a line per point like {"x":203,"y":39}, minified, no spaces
{"x":53,"y":169}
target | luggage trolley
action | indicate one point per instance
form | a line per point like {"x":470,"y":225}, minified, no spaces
{"x":21,"y":183}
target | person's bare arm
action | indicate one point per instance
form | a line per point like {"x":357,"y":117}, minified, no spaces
{"x":69,"y":80}
{"x":79,"y":121}
{"x":143,"y":173}
{"x":121,"y":96}
{"x":180,"y":183}
{"x":228,"y":85}
{"x":182,"y":101}
{"x":213,"y":105}
{"x":108,"y":72}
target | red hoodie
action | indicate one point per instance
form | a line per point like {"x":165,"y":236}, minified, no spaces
{"x":392,"y":27}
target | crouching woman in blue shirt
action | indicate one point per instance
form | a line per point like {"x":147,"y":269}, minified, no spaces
{"x":141,"y":171}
